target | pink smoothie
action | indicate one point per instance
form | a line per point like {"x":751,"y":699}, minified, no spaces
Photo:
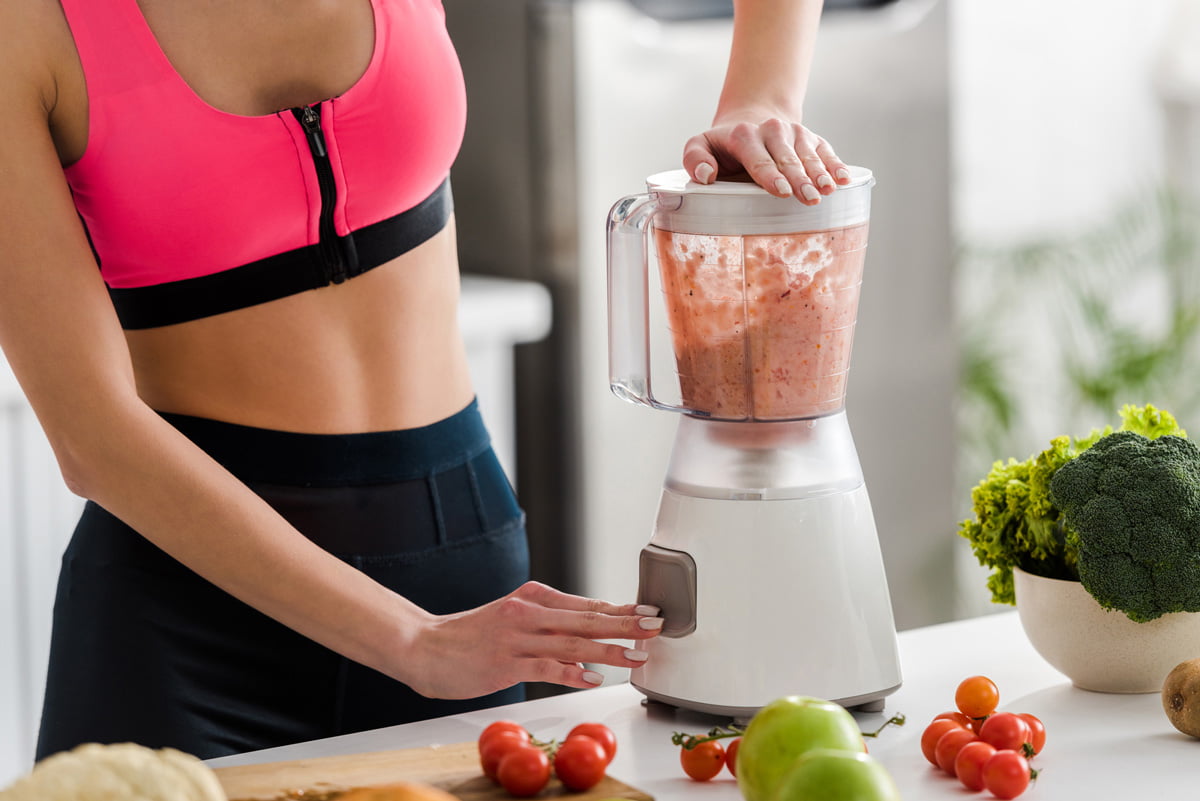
{"x":762,"y":325}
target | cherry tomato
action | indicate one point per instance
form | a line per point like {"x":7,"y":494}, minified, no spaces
{"x":977,"y":723}
{"x":601,"y":734}
{"x":704,"y":761}
{"x":968,"y":765}
{"x":499,"y":726}
{"x":1005,"y":731}
{"x":524,"y":771}
{"x":497,"y":747}
{"x":957,"y":717}
{"x":977,"y":696}
{"x":1006,"y":774}
{"x":1037,"y":731}
{"x":949,"y":745}
{"x":580,"y":762}
{"x":933,"y":732}
{"x":731,"y":756}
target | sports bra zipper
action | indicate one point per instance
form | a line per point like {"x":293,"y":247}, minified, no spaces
{"x":335,"y":251}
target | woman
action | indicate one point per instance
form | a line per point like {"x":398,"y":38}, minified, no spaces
{"x":230,"y":289}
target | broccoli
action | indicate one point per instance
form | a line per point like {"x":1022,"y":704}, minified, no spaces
{"x":1132,"y":508}
{"x":1015,"y":524}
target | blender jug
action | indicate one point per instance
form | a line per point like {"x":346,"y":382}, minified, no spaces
{"x":764,"y":546}
{"x":761,"y":295}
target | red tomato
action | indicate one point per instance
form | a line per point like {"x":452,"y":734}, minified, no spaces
{"x":1037,"y":731}
{"x":968,"y":765}
{"x":1006,"y":774}
{"x":524,"y":771}
{"x":977,"y":696}
{"x":704,"y":761}
{"x":601,"y":734}
{"x":1005,"y":731}
{"x":731,"y":756}
{"x":957,"y":717}
{"x":497,"y":747}
{"x":949,"y":745}
{"x":933,"y":732}
{"x":580,"y":762}
{"x":499,"y":726}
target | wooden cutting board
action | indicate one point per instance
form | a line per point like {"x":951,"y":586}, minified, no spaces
{"x":454,"y":768}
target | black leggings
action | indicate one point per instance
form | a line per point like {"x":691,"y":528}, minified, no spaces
{"x":144,"y":650}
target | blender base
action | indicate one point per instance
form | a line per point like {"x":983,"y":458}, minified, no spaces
{"x":871,"y":702}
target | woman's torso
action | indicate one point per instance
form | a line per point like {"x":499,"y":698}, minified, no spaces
{"x":379,"y":351}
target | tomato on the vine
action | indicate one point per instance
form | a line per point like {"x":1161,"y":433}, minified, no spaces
{"x":524,"y":771}
{"x":968,"y":765}
{"x":957,"y":717}
{"x":499,"y":727}
{"x":580,"y":762}
{"x":731,"y":755}
{"x":933,"y":732}
{"x":949,"y":745}
{"x":977,"y":696}
{"x":1006,"y":774}
{"x":496,"y":747}
{"x":703,"y":761}
{"x":601,"y":734}
{"x":1037,"y":731}
{"x":1005,"y":731}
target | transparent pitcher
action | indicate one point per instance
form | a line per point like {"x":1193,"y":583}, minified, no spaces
{"x":760,"y":296}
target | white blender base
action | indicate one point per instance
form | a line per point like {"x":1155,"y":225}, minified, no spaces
{"x":789,"y":598}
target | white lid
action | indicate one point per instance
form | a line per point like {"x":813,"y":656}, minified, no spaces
{"x":744,"y":207}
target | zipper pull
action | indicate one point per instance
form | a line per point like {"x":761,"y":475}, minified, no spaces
{"x":310,"y":119}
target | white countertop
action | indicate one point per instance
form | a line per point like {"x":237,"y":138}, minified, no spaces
{"x":1098,"y":746}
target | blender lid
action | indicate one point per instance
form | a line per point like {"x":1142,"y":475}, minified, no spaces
{"x":678,"y":181}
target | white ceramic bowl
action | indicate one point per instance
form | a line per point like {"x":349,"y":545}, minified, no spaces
{"x":1098,"y":649}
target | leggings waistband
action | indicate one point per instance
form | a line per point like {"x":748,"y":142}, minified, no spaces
{"x":332,"y":460}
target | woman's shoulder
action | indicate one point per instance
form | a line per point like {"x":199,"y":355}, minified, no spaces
{"x":40,"y":76}
{"x":35,"y":41}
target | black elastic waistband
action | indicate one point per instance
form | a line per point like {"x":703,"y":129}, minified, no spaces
{"x":334,"y":460}
{"x":284,"y":274}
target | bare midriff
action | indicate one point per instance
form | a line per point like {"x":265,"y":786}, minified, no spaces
{"x":379,"y":352}
{"x":762,"y":325}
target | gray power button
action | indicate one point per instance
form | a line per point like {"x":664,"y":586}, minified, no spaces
{"x":667,"y":579}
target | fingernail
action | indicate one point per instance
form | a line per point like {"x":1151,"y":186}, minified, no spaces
{"x":592,"y":677}
{"x":782,"y":186}
{"x":647,"y":610}
{"x":704,"y":172}
{"x":650,"y":623}
{"x":843,"y":175}
{"x":637,"y":656}
{"x":810,"y":192}
{"x":824,"y":181}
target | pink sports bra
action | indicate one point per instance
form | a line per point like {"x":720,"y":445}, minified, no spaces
{"x":193,"y":211}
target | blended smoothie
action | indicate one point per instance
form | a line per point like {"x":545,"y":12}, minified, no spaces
{"x":762,"y":325}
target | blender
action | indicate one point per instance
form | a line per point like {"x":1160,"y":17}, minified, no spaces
{"x":764,"y":556}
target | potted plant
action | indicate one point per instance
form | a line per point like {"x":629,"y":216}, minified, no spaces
{"x":1097,"y":542}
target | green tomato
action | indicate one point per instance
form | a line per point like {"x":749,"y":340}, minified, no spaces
{"x":781,"y":732}
{"x":831,"y":775}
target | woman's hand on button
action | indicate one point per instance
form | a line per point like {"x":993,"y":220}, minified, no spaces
{"x":535,"y":633}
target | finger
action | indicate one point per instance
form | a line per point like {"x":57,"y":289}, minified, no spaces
{"x":779,"y":138}
{"x":545,"y":595}
{"x":578,"y":650}
{"x":526,"y":617}
{"x":699,"y":160}
{"x":747,"y":147}
{"x":836,"y":167}
{"x":566,"y":673}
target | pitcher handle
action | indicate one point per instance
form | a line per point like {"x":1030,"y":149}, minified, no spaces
{"x":629,"y":224}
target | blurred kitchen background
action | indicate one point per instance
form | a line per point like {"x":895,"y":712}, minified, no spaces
{"x":1033,"y":265}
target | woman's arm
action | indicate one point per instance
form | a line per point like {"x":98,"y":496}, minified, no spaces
{"x":757,"y":125}
{"x":61,"y":337}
